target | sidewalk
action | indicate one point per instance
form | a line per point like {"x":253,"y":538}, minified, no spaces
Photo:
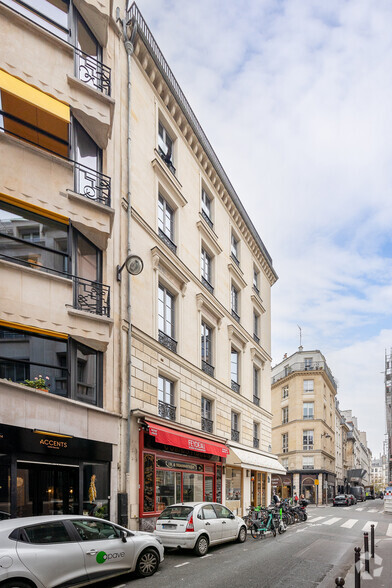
{"x":380,"y":567}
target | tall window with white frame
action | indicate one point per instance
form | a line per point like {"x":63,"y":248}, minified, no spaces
{"x":206,"y":349}
{"x":234,"y":369}
{"x":206,"y":208}
{"x":256,"y":438}
{"x":307,"y":444}
{"x":308,"y":410}
{"x":256,"y":386}
{"x":285,"y":443}
{"x":308,"y":363}
{"x":308,"y":386}
{"x":285,"y":415}
{"x":166,"y":223}
{"x":166,"y":314}
{"x":234,"y":249}
{"x":235,"y":303}
{"x":165,"y":147}
{"x":256,"y":280}
{"x":308,"y":462}
{"x":166,"y":402}
{"x":206,"y":270}
{"x":256,"y":322}
{"x":285,"y":392}
{"x":206,"y":415}
{"x":235,"y":426}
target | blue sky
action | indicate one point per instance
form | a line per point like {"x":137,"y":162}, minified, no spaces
{"x":295,"y":97}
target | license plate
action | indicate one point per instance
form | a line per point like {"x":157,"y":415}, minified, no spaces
{"x":167,"y":526}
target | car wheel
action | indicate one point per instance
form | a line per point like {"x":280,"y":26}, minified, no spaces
{"x":242,"y":533}
{"x":16,"y":584}
{"x":201,"y":546}
{"x":148,"y":563}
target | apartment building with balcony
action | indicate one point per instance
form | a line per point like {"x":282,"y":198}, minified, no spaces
{"x":303,"y":425}
{"x":60,"y":184}
{"x":359,"y":455}
{"x":341,"y":460}
{"x":201,"y":311}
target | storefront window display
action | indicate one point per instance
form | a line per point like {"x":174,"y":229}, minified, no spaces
{"x":233,"y":484}
{"x":96,"y":490}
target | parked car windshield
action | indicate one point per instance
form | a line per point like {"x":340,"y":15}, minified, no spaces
{"x":179,"y":513}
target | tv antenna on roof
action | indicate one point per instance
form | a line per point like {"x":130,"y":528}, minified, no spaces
{"x":300,"y":338}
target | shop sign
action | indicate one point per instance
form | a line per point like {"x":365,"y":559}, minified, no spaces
{"x":179,"y":465}
{"x":281,"y":480}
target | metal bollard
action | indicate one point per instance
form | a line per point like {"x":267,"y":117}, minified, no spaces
{"x":372,"y":540}
{"x":339,"y":581}
{"x":366,"y":545}
{"x":357,"y":556}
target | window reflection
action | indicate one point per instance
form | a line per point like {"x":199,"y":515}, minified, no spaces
{"x":52,"y":15}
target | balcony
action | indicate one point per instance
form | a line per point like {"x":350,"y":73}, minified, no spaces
{"x":256,"y":400}
{"x":235,"y":259}
{"x":167,"y":241}
{"x":256,"y":442}
{"x":166,"y":411}
{"x":256,"y":338}
{"x":207,"y":284}
{"x":207,"y":425}
{"x":207,"y":368}
{"x":167,"y":341}
{"x":92,"y":184}
{"x":235,"y":316}
{"x":235,"y":386}
{"x":302,"y":367}
{"x":235,"y":435}
{"x":308,"y":417}
{"x":166,"y":157}
{"x":92,"y":72}
{"x":207,"y":219}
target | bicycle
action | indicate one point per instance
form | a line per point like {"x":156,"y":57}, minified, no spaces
{"x":260,"y":528}
{"x":254,"y":513}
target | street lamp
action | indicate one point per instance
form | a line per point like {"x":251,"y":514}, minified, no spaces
{"x":133,"y":264}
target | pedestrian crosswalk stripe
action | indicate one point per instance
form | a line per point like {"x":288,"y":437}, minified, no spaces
{"x":389,"y":531}
{"x":332,"y":521}
{"x":317,"y":519}
{"x":359,"y":508}
{"x":349,"y":523}
{"x":372,"y":510}
{"x":367,"y":526}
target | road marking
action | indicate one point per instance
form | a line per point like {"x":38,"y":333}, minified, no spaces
{"x":208,"y":555}
{"x":367,"y":526}
{"x":359,"y":508}
{"x":389,"y":531}
{"x":332,"y":521}
{"x":350,"y":523}
{"x":372,"y":510}
{"x":183,"y":564}
{"x":317,"y":519}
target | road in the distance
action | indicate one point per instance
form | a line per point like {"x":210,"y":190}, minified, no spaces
{"x":303,"y":557}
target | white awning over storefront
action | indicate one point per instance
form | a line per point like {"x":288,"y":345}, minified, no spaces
{"x":255,"y":461}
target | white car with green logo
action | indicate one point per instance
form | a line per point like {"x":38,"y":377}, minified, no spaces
{"x":61,"y":551}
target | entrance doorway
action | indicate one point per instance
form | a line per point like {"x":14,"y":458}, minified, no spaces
{"x":46,"y":489}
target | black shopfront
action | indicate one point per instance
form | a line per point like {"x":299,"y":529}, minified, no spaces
{"x":48,"y":473}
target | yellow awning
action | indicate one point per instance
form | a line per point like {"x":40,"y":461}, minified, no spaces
{"x":34,"y":96}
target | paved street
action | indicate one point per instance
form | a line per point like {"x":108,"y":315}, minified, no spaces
{"x":307,"y":555}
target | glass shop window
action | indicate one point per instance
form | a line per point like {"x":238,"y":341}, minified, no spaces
{"x":168,"y":488}
{"x":96,"y":489}
{"x":233,"y":484}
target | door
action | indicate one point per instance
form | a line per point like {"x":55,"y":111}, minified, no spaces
{"x":210,"y":521}
{"x":209,"y":488}
{"x":104,"y":551}
{"x":229,"y":523}
{"x":46,"y":489}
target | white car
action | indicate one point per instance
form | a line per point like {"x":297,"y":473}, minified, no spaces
{"x":72,"y":550}
{"x":197,"y":525}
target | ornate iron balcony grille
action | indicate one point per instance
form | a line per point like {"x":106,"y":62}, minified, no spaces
{"x":167,"y":241}
{"x":301,"y":367}
{"x":206,"y":424}
{"x":255,"y":288}
{"x":207,"y":368}
{"x":255,"y":442}
{"x":92,"y":72}
{"x":235,"y":315}
{"x":235,"y":435}
{"x":207,"y":285}
{"x":308,"y":417}
{"x":308,"y":467}
{"x":308,"y":447}
{"x":256,"y":338}
{"x":256,"y":400}
{"x":167,"y":160}
{"x":92,"y":184}
{"x":235,"y":386}
{"x":91,"y":296}
{"x":235,"y":259}
{"x":166,"y":411}
{"x":167,"y":341}
{"x":207,"y":219}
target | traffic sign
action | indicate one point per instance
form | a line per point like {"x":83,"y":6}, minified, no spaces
{"x":316,"y":482}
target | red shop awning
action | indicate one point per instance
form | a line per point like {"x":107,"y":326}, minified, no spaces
{"x":179,"y":439}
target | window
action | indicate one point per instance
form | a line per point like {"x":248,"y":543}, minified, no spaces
{"x":233,"y":487}
{"x":166,"y":313}
{"x":308,"y":386}
{"x":256,"y":277}
{"x":308,"y":410}
{"x":69,"y":368}
{"x":256,"y":320}
{"x":166,"y":404}
{"x":206,"y":208}
{"x":95,"y":530}
{"x":308,"y":363}
{"x":206,"y":267}
{"x":234,"y":370}
{"x":51,"y":15}
{"x":88,"y":180}
{"x":165,"y":147}
{"x":285,"y":462}
{"x":285,"y":442}
{"x":206,"y":349}
{"x":48,"y":533}
{"x":235,"y":302}
{"x":256,"y":386}
{"x":287,"y":370}
{"x":206,"y":415}
{"x":166,"y":223}
{"x":88,"y":57}
{"x":285,"y":392}
{"x":307,"y":440}
{"x":256,"y":440}
{"x":235,"y":431}
{"x":234,"y":249}
{"x":308,"y":462}
{"x":285,"y":414}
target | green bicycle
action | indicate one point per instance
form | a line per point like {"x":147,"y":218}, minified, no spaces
{"x":260,"y":527}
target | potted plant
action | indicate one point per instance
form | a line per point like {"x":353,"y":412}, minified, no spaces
{"x":39,"y":383}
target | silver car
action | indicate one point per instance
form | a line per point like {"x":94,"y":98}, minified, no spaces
{"x":197,"y":525}
{"x":49,"y":551}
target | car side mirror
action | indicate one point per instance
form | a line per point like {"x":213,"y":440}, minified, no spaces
{"x":123,"y":536}
{"x":232,"y":516}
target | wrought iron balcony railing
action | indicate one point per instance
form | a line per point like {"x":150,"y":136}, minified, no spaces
{"x":235,"y":316}
{"x":235,"y":435}
{"x":308,"y":467}
{"x":167,"y":159}
{"x":302,"y":367}
{"x":235,"y":386}
{"x":207,"y":424}
{"x":207,"y":219}
{"x":256,"y":400}
{"x":92,"y":184}
{"x":92,"y":72}
{"x":256,"y":442}
{"x":207,"y":368}
{"x":167,"y":341}
{"x":166,"y":411}
{"x":256,"y":338}
{"x":255,"y":288}
{"x":307,"y":447}
{"x":235,"y":259}
{"x":91,"y":296}
{"x":308,"y":417}
{"x":207,"y":285}
{"x":167,"y":241}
